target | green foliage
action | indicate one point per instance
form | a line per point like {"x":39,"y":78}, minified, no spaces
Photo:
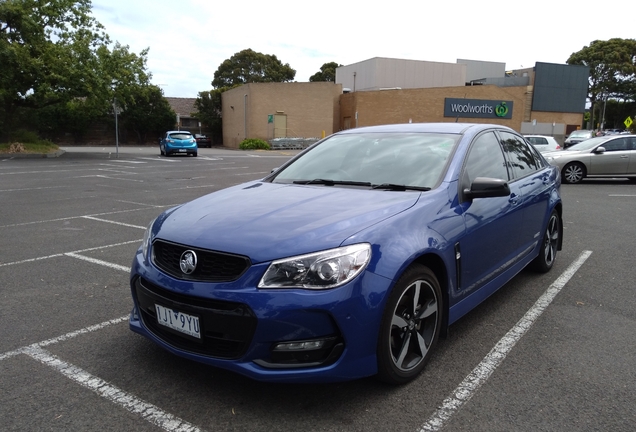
{"x":248,"y":66}
{"x":208,"y":106}
{"x":327,"y":73}
{"x":147,"y":113}
{"x":57,"y":63}
{"x":612,"y":66}
{"x":25,"y":137}
{"x":254,"y":144}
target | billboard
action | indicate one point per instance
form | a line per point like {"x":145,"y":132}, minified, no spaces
{"x":477,"y":108}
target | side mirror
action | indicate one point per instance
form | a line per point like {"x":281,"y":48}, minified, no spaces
{"x":600,"y":149}
{"x":485,"y":187}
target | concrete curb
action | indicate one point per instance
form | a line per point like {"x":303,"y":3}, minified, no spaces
{"x":31,"y":155}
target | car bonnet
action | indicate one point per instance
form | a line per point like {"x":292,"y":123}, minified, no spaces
{"x":268,"y":221}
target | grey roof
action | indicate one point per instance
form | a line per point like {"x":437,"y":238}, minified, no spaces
{"x":182,"y":106}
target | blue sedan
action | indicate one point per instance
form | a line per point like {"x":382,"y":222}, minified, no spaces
{"x":178,"y":142}
{"x":352,"y":258}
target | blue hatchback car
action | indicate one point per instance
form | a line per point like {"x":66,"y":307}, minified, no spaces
{"x":352,"y":258}
{"x":178,"y":142}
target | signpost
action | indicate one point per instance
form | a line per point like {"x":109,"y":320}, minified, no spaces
{"x":628,"y":122}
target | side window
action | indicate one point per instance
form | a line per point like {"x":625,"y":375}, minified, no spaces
{"x":618,"y":144}
{"x":485,"y":159}
{"x":521,"y":158}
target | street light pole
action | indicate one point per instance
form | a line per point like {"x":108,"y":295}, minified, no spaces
{"x":116,"y":128}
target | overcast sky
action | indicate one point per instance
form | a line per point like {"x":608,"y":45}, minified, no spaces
{"x":189,"y":39}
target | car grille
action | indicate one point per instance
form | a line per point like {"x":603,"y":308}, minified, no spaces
{"x":226,"y":327}
{"x":211,"y":267}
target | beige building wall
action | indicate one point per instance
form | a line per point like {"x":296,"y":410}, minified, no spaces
{"x":427,"y":105}
{"x":310,"y":109}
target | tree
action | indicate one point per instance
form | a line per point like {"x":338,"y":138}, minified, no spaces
{"x":612,"y":66}
{"x":148,"y":112}
{"x":327,"y":73}
{"x":54,"y":53}
{"x":208,"y":105}
{"x":45,"y":52}
{"x":248,"y":66}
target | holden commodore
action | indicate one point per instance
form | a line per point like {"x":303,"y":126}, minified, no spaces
{"x":351,"y":259}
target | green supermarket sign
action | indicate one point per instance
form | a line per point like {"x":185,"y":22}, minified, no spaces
{"x":477,"y":108}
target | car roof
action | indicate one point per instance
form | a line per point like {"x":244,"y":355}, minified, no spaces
{"x":181,"y":131}
{"x":449,"y":128}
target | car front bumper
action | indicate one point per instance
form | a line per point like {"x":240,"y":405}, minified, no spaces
{"x":241,"y":325}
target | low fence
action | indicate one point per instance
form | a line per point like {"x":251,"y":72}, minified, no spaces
{"x":291,"y":143}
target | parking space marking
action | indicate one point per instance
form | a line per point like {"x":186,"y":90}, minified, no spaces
{"x":113,"y":222}
{"x":467,"y":388}
{"x":147,"y":411}
{"x":36,"y":188}
{"x":66,"y":336}
{"x":128,"y":161}
{"x":97,"y":261}
{"x":160,"y":159}
{"x":83,"y":216}
{"x":620,"y":195}
{"x":73,"y":252}
{"x":111,"y":178}
{"x":192,"y":187}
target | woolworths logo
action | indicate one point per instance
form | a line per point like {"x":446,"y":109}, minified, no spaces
{"x":501,"y":110}
{"x":477,"y":108}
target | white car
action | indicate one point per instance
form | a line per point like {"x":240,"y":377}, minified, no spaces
{"x":543,"y":143}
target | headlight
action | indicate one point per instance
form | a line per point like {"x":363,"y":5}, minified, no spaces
{"x":145,"y":243}
{"x":320,"y":270}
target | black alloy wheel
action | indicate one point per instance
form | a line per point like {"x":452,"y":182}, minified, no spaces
{"x":549,"y":244}
{"x":410,"y":326}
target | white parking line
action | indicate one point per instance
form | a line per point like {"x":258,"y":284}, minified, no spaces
{"x":113,"y":222}
{"x":147,"y":411}
{"x":159,"y":159}
{"x":36,"y":188}
{"x":67,"y":253}
{"x":97,"y":261}
{"x":467,"y":389}
{"x":83,"y":216}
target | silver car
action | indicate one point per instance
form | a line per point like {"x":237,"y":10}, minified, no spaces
{"x":606,"y":156}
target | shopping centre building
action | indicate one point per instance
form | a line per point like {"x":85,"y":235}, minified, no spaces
{"x":545,"y":99}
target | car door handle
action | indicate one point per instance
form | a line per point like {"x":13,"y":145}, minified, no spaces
{"x":514,"y":199}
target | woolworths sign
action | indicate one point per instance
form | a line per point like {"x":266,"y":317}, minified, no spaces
{"x":477,"y":108}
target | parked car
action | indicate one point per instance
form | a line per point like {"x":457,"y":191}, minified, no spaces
{"x":203,"y":140}
{"x":543,"y":143}
{"x":178,"y":142}
{"x":353,"y":257}
{"x":577,"y":136}
{"x":605,"y":156}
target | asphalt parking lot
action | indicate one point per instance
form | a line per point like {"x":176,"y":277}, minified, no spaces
{"x":547,"y":352}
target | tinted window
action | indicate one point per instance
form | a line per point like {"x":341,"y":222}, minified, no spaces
{"x":522,"y":158}
{"x":411,"y":159}
{"x":181,"y":136}
{"x":537,"y":140}
{"x":617,"y":145}
{"x":485,"y":160}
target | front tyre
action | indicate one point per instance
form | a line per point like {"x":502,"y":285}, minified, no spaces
{"x":410,"y":326}
{"x":549,"y":245}
{"x":573,"y":172}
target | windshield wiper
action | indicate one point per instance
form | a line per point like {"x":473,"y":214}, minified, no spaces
{"x":328,"y":182}
{"x":399,"y":187}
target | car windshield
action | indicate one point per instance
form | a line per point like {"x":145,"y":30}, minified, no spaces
{"x":587,"y":144}
{"x":580,"y":134}
{"x":393,"y":161}
{"x":180,"y":136}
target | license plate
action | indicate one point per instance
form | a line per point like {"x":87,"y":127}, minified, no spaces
{"x":182,"y":150}
{"x":184,"y":323}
